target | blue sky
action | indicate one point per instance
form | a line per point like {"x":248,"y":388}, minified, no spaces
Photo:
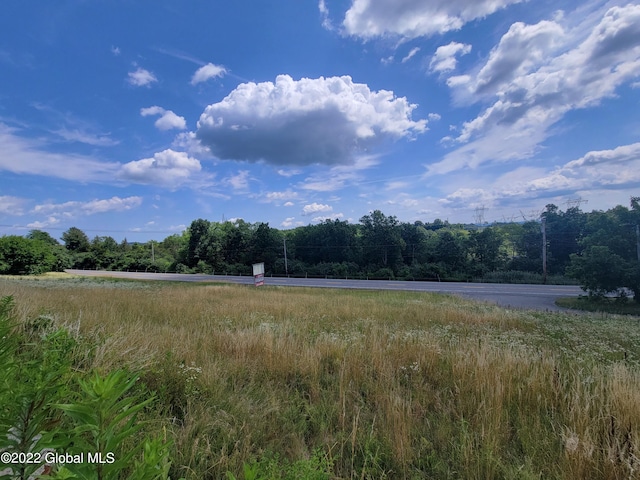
{"x":132,"y":119}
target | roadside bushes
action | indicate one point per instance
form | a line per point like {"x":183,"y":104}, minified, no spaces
{"x":20,"y":255}
{"x":58,"y":420}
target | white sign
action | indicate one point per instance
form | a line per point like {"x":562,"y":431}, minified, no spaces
{"x":258,"y":274}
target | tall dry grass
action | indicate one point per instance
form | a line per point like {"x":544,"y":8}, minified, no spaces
{"x":386,"y":384}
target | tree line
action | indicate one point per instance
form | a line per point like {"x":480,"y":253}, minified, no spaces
{"x":601,"y":250}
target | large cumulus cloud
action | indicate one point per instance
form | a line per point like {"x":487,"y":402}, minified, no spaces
{"x":303,"y":122}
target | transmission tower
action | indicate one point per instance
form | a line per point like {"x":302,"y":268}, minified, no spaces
{"x":575,"y":202}
{"x":478,"y":217}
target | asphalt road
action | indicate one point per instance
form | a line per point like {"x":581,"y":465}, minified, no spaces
{"x":538,"y":297}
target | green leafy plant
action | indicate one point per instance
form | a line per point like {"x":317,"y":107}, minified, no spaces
{"x":98,"y":423}
{"x":37,"y":368}
{"x":104,"y":418}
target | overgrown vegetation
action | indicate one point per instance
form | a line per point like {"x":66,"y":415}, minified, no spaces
{"x":622,"y":305}
{"x":299,"y":383}
{"x":59,"y":419}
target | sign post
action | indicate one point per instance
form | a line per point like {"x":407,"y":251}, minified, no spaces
{"x":258,"y":274}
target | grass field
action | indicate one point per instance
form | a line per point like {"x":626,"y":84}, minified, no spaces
{"x":622,"y":306}
{"x":361,"y":384}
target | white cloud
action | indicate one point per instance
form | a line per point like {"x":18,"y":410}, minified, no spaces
{"x":82,"y":136}
{"x":289,"y":172}
{"x":279,"y":196}
{"x":535,"y":76}
{"x":468,"y":198}
{"x":167,"y":120}
{"x":208,"y":72}
{"x":411,"y":54}
{"x":458,"y":80}
{"x":29,"y":157}
{"x":339,"y":176}
{"x":289,"y":122}
{"x":396,"y":185}
{"x":115,"y":50}
{"x":324,"y":14}
{"x":240,"y":181}
{"x":50,"y":221}
{"x":74,"y":209}
{"x":290,"y":222}
{"x":614,"y":170}
{"x":12,"y":205}
{"x":314,"y":208}
{"x":520,"y":49}
{"x":445,"y":60}
{"x":167,"y":168}
{"x":415,"y":18}
{"x":322,"y":218}
{"x":141,"y":78}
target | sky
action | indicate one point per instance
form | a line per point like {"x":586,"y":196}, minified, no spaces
{"x":132,"y":119}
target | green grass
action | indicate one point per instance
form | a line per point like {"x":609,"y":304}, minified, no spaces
{"x":360,"y":384}
{"x":621,"y":306}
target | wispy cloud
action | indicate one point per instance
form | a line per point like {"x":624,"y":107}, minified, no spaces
{"x":56,"y":213}
{"x":536,"y":75}
{"x":30,"y":157}
{"x":86,"y":137}
{"x":339,"y":177}
{"x":12,"y":205}
{"x":411,"y":54}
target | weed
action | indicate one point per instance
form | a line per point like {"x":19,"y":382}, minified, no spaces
{"x":382,"y":384}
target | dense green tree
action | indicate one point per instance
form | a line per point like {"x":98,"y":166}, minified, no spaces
{"x":63,"y":258}
{"x":381,"y":240}
{"x":486,"y":251}
{"x":450,"y":251}
{"x":174,"y":250}
{"x":235,"y":238}
{"x":266,"y":246}
{"x":105,"y":253}
{"x":24,"y":256}
{"x":599,"y":270}
{"x":331,"y":241}
{"x":564,"y":231}
{"x":197,"y":242}
{"x":415,"y":237}
{"x":527,"y":243}
{"x":609,"y":261}
{"x":42,"y":236}
{"x":76,"y":240}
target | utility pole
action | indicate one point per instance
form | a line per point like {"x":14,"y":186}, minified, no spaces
{"x":286,"y":266}
{"x":153,"y":254}
{"x":544,"y":250}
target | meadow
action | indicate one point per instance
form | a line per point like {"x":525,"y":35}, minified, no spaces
{"x":277,"y":382}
